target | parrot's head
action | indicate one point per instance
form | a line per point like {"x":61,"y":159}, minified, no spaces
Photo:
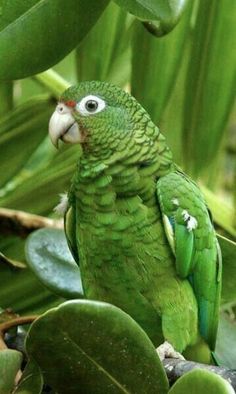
{"x":101,"y":117}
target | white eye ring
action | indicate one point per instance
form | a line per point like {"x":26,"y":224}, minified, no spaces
{"x":90,"y":105}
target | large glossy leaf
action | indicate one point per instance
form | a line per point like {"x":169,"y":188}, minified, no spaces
{"x":49,"y":258}
{"x":228,"y":249}
{"x":154,"y":68}
{"x":25,"y":22}
{"x":166,"y":13}
{"x":210,"y":82}
{"x":101,"y":348}
{"x":201,"y":381}
{"x":10,"y":363}
{"x":225,"y":344}
{"x":53,"y":81}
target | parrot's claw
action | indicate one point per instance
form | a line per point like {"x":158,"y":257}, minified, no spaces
{"x":166,"y":350}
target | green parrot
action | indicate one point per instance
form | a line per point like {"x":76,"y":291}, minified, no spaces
{"x":136,"y":224}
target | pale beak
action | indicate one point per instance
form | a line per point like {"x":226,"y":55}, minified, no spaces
{"x":63,"y":125}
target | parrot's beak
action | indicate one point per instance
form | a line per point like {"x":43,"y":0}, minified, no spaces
{"x":63,"y":125}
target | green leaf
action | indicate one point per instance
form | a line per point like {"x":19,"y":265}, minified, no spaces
{"x":112,"y":39}
{"x":11,"y":247}
{"x":228,"y":250}
{"x":48,"y":256}
{"x":40,"y":197}
{"x":154,"y":89}
{"x":165,"y":13}
{"x":14,"y":263}
{"x":23,"y":293}
{"x":222,"y":212}
{"x":65,"y":23}
{"x":209,"y":92}
{"x":10,"y":363}
{"x":201,"y":381}
{"x":6,"y":97}
{"x":226,"y":338}
{"x":171,"y":119}
{"x":31,"y":381}
{"x":19,"y":136}
{"x":101,"y":348}
{"x":21,"y":113}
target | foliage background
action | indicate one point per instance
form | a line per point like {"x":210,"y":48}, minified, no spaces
{"x":185,"y":79}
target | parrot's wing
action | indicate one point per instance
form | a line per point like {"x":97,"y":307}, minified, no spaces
{"x":193,"y":241}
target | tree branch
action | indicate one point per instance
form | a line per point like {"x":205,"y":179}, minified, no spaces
{"x":175,"y":368}
{"x":22,"y":223}
{"x":17,"y":321}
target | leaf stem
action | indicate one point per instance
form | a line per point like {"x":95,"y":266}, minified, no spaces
{"x":17,"y":321}
{"x":53,"y":82}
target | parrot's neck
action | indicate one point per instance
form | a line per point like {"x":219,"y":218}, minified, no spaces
{"x":124,"y":175}
{"x":150,"y":155}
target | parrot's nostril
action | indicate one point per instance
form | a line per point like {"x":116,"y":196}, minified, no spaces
{"x":62,"y":109}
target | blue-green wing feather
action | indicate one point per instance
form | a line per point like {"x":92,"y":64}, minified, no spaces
{"x":193,"y":241}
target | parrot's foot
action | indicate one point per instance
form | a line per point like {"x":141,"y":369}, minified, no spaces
{"x":166,"y":350}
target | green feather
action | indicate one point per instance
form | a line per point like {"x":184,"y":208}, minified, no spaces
{"x":184,"y":248}
{"x":139,"y":227}
{"x":197,"y":252}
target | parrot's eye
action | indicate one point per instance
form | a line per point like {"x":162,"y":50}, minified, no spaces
{"x":90,"y":105}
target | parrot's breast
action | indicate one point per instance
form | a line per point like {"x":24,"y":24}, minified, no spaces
{"x":124,"y":255}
